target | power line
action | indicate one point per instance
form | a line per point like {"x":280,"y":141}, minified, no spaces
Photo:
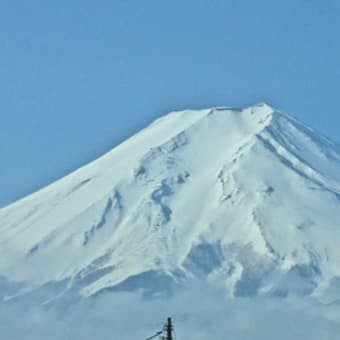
{"x":166,"y":333}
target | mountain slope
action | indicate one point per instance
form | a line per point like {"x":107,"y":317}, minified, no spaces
{"x":251,"y":197}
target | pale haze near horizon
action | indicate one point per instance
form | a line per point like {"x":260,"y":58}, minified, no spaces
{"x":79,"y":77}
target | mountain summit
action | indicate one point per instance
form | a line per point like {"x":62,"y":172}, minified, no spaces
{"x":250,"y":197}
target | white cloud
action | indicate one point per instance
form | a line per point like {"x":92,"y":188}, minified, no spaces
{"x":199,"y":312}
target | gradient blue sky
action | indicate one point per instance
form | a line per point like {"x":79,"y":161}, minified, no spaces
{"x":78,"y":76}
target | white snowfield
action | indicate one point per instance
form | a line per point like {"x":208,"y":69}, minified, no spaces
{"x":247,"y":196}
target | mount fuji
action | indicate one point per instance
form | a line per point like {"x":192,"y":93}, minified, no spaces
{"x":248,"y":197}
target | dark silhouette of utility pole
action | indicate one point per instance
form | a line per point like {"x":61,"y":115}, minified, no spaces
{"x":168,"y":329}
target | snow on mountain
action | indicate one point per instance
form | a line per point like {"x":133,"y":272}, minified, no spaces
{"x":247,"y":196}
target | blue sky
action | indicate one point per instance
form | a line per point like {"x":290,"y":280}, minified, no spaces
{"x":78,"y":76}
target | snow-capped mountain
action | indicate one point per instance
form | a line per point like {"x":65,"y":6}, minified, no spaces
{"x":250,"y":197}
